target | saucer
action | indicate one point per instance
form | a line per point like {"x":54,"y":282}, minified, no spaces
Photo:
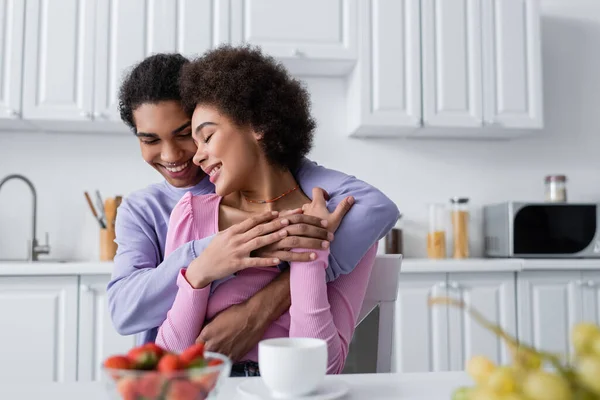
{"x":255,"y":388}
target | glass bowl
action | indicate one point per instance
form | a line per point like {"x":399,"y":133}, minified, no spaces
{"x":188,"y":384}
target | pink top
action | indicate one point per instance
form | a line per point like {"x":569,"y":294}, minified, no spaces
{"x":327,"y":311}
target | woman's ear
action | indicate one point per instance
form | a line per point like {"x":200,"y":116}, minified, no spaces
{"x":258,"y":135}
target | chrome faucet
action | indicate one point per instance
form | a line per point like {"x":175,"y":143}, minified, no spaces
{"x":35,"y":249}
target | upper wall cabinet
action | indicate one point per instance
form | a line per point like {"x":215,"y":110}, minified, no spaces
{"x":12,"y":20}
{"x":477,"y":64}
{"x":384,"y":90}
{"x":76,"y":55}
{"x":311,"y":37}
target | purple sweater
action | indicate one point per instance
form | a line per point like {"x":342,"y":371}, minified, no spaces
{"x":144,"y":283}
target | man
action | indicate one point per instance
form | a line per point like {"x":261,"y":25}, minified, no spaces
{"x":143,"y":285}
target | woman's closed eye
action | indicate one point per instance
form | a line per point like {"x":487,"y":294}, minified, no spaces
{"x":207,"y":137}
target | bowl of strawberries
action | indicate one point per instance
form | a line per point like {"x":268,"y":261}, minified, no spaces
{"x":149,"y":372}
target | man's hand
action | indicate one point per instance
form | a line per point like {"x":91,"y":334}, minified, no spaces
{"x":236,"y":330}
{"x":303,"y":232}
{"x":232,"y":332}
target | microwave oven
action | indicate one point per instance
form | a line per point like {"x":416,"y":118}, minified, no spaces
{"x":541,"y":230}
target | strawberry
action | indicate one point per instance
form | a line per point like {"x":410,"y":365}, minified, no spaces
{"x":183,"y":390}
{"x":170,"y":363}
{"x":215,"y":361}
{"x":199,"y":362}
{"x":118,"y":362}
{"x":143,"y":358}
{"x":150,"y":385}
{"x":127,"y":388}
{"x":159,"y":351}
{"x":193,"y":352}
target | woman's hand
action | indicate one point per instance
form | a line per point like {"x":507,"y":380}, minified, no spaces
{"x":318,"y":208}
{"x":229,"y":251}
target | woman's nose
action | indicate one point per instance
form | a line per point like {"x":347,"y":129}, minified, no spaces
{"x":200,"y":155}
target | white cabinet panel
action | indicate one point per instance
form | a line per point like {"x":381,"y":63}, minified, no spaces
{"x":384,"y":90}
{"x":301,"y":34}
{"x":420,"y":331}
{"x":12,"y":18}
{"x":512,"y":63}
{"x":97,"y":336}
{"x":39,"y":339}
{"x":549,"y":304}
{"x":201,"y":25}
{"x":590,"y":292}
{"x":59,"y":60}
{"x":452,"y":71}
{"x":493,"y":295}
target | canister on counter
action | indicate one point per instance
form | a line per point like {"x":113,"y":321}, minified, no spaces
{"x":460,"y":226}
{"x":436,"y":236}
{"x":393,"y":240}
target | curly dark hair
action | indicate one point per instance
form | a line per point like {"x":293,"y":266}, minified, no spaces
{"x":154,"y":79}
{"x":253,"y":90}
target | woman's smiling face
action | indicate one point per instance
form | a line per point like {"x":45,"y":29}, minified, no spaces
{"x":227,"y":152}
{"x":164,"y":132}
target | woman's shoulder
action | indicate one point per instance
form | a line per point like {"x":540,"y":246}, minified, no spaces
{"x":198,"y":210}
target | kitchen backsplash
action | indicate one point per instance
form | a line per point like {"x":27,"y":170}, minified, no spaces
{"x":412,"y":173}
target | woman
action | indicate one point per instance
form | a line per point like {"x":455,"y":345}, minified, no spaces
{"x":252,"y":125}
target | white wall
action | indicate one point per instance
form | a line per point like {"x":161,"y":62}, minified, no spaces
{"x":412,"y":173}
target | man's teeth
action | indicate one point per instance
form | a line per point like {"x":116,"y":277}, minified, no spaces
{"x":214,"y":170}
{"x":178,"y":168}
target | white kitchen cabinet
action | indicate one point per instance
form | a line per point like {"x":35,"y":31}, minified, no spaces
{"x":590,"y":292}
{"x":549,"y":303}
{"x":162,"y":26}
{"x":512,"y":71}
{"x":384,"y":89}
{"x":309,"y":37}
{"x":452,"y":74}
{"x":98,"y":339}
{"x":38,"y":342}
{"x":420,"y":331}
{"x":58,"y":74}
{"x":493,"y":295}
{"x":12,"y":20}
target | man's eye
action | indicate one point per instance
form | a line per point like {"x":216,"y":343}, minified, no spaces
{"x":149,"y":142}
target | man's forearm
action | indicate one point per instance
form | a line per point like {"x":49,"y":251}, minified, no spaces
{"x":269,"y":303}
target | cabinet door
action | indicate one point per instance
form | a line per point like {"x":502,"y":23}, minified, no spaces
{"x":98,"y":338}
{"x":59,"y":60}
{"x":420,"y":331}
{"x":162,"y":26}
{"x":512,"y":63}
{"x":590,"y":291}
{"x":384,"y":90}
{"x":549,"y":304}
{"x":304,"y":30}
{"x":12,"y":18}
{"x":452,"y":75}
{"x":493,"y":295}
{"x":39,"y":335}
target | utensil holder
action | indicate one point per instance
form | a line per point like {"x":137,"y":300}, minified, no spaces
{"x":108,"y":247}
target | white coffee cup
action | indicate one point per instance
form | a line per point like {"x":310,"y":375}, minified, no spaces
{"x":292,"y":367}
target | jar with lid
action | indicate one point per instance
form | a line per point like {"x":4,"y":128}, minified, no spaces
{"x":393,"y":240}
{"x":436,"y":235}
{"x":460,"y":226}
{"x":556,"y":188}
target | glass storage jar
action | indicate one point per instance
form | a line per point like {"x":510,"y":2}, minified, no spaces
{"x":436,"y":235}
{"x":460,"y":226}
{"x":556,"y":188}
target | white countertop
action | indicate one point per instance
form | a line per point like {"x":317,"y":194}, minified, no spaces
{"x":414,"y":386}
{"x":409,"y":265}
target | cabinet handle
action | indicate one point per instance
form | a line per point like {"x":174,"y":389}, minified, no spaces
{"x":86,"y":288}
{"x":590,"y":284}
{"x":298,"y":53}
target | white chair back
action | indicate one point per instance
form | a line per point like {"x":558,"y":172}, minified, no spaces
{"x":382,"y":292}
